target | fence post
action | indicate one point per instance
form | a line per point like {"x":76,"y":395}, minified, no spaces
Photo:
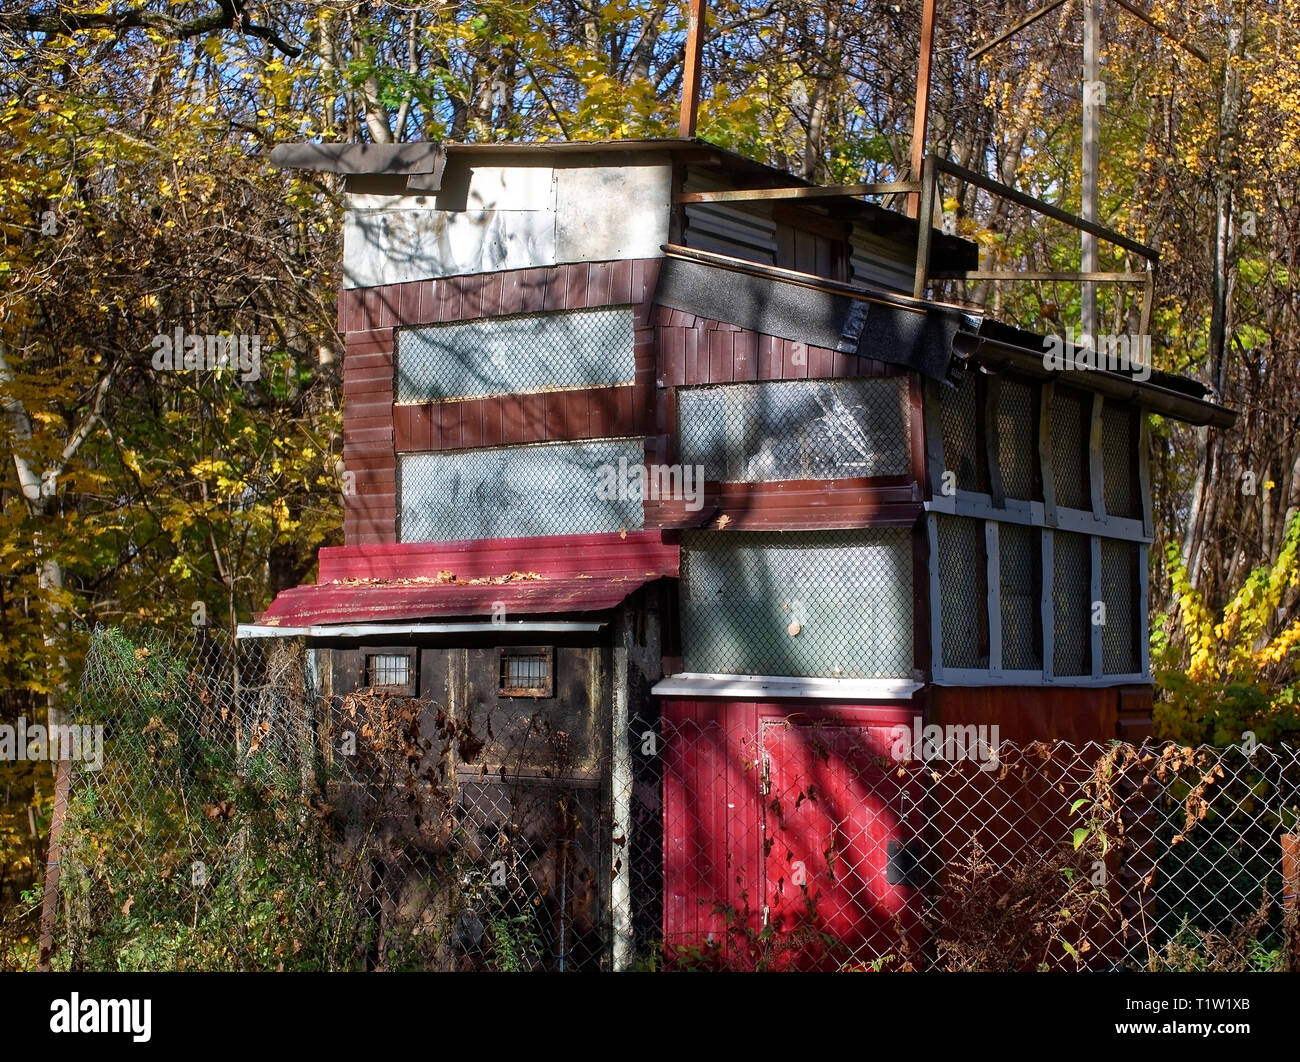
{"x":621,"y":794}
{"x":50,"y":892}
{"x":1291,"y":898}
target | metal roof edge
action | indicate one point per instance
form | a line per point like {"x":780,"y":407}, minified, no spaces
{"x":692,"y":684}
{"x":381,"y":630}
{"x":1176,"y":404}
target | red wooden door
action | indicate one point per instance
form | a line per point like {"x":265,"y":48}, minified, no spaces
{"x":833,"y":806}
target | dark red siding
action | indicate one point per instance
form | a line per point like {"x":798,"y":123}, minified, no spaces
{"x":375,"y":430}
{"x":734,"y":825}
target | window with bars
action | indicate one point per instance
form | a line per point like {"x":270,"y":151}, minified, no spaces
{"x":526,"y":672}
{"x":519,"y":353}
{"x":797,"y":429}
{"x":832,"y":604}
{"x":392,"y":670}
{"x":1020,"y":558}
{"x":521,"y":491}
{"x":1119,"y":457}
{"x":963,"y":590}
{"x":1071,"y":604}
{"x":1071,"y":426}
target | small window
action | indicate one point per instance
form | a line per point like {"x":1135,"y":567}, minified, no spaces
{"x":526,"y":673}
{"x":392,"y":670}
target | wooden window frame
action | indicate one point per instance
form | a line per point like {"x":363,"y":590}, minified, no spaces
{"x":544,"y":652}
{"x":406,"y":689}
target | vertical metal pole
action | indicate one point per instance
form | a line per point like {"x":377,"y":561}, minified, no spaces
{"x":691,"y":73}
{"x":620,"y":892}
{"x":1091,"y":126}
{"x":921,"y":112}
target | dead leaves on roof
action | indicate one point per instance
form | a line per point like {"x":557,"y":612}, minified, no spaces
{"x":444,"y":578}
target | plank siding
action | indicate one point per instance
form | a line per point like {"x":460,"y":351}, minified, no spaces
{"x":793,"y":505}
{"x":671,"y":349}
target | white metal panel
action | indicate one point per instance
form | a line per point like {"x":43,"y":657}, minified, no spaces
{"x":604,"y":213}
{"x":507,"y":217}
{"x":510,"y":188}
{"x":392,"y":246}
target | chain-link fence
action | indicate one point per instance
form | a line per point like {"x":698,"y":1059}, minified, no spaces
{"x":239,"y":820}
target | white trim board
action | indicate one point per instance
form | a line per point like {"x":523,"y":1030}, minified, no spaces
{"x":763,"y":687}
{"x":1034,"y":514}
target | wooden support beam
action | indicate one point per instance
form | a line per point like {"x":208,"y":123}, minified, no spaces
{"x":993,"y":593}
{"x":742,"y":195}
{"x":1010,"y":274}
{"x":1028,"y":20}
{"x":691,"y":73}
{"x":925,"y":230}
{"x":1051,"y":211}
{"x":921,"y":111}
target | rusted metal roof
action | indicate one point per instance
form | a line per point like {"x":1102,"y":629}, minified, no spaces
{"x":571,"y":574}
{"x":369,"y":602}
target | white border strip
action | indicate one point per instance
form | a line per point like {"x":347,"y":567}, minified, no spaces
{"x":695,"y":684}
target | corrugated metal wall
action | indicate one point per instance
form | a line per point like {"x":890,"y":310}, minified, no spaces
{"x":879,"y":263}
{"x":726,"y":229}
{"x":751,"y":234}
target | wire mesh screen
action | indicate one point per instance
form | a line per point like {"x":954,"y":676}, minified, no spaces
{"x":959,"y":418}
{"x":1017,"y":415}
{"x":1119,"y":592}
{"x":1119,"y":460}
{"x":1020,"y":559}
{"x":517,"y":491}
{"x":800,"y":429}
{"x":508,"y":355}
{"x":827,"y":604}
{"x":256,"y":824}
{"x":1072,"y":604}
{"x":1071,"y":417}
{"x":963,"y":598}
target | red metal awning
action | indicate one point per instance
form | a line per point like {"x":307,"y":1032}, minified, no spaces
{"x":551,"y":576}
{"x":371,"y":602}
